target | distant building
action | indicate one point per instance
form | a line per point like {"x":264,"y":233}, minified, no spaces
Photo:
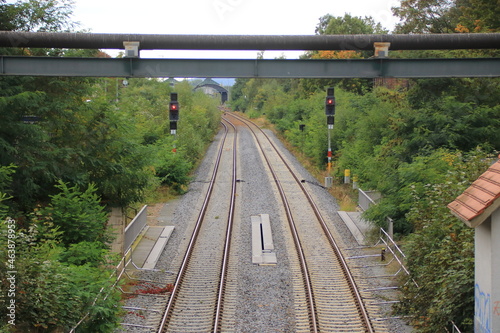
{"x":212,"y":88}
{"x":171,"y":81}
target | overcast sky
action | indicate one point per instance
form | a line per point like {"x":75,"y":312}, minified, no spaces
{"x":220,"y":17}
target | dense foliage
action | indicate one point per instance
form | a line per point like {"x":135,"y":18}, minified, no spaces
{"x":447,"y":16}
{"x":419,"y":142}
{"x":441,"y":250}
{"x":59,"y":272}
{"x":71,"y":148}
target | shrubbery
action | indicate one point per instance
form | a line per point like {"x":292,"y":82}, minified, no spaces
{"x":77,"y":214}
{"x":61,"y":263}
{"x":105,"y":157}
{"x":93,"y":144}
{"x":440,"y":251}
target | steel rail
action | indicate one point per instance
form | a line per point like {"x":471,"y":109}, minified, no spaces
{"x":300,"y":252}
{"x":249,"y":42}
{"x":194,"y":236}
{"x":343,"y":263}
{"x":347,"y":272}
{"x":227,"y":244}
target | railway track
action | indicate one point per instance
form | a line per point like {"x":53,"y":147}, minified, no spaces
{"x":326,"y":297}
{"x":196,"y":301}
{"x":330,"y":295}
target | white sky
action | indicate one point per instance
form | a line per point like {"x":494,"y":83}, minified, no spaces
{"x":221,"y":17}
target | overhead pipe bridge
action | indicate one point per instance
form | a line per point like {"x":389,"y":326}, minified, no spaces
{"x":249,"y":42}
{"x":134,"y":66}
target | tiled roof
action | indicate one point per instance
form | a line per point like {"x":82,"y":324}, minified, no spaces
{"x":480,"y":200}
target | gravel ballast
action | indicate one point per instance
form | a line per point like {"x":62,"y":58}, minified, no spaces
{"x":264,"y":294}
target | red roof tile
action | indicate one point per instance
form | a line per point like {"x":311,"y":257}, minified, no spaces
{"x":478,"y":197}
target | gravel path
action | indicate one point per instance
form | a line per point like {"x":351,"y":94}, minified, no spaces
{"x":264,"y":295}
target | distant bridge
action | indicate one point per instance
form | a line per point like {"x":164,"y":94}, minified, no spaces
{"x":210,"y":87}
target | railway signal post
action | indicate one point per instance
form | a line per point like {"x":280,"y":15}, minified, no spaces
{"x":330,"y":120}
{"x":173,"y":114}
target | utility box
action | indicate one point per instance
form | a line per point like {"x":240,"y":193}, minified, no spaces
{"x":328,"y":182}
{"x":347,"y":176}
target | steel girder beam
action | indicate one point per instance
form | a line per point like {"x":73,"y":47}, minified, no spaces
{"x":338,"y":68}
{"x":249,"y":42}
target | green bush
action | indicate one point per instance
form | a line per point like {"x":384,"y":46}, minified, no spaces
{"x":83,"y":253}
{"x":440,"y":251}
{"x":57,"y":282}
{"x":78,"y":215}
{"x":146,"y":104}
{"x":52,"y":295}
{"x":171,"y":167}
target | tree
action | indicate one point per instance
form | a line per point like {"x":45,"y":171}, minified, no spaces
{"x":238,"y":98}
{"x":98,"y":150}
{"x":447,"y":16}
{"x":64,"y":136}
{"x":77,"y":214}
{"x":478,"y":16}
{"x":145,"y":102}
{"x":40,"y":15}
{"x":426,"y":16}
{"x":346,"y":25}
{"x":6,"y":20}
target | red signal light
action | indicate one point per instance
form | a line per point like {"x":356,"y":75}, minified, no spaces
{"x":330,"y":103}
{"x":174,"y":111}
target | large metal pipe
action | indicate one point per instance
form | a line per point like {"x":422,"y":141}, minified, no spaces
{"x":249,"y":42}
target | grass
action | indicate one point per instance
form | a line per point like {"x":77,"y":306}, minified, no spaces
{"x":346,"y":197}
{"x":162,"y":194}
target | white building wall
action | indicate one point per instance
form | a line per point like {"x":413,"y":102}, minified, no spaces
{"x":495,"y":267}
{"x":482,"y":289}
